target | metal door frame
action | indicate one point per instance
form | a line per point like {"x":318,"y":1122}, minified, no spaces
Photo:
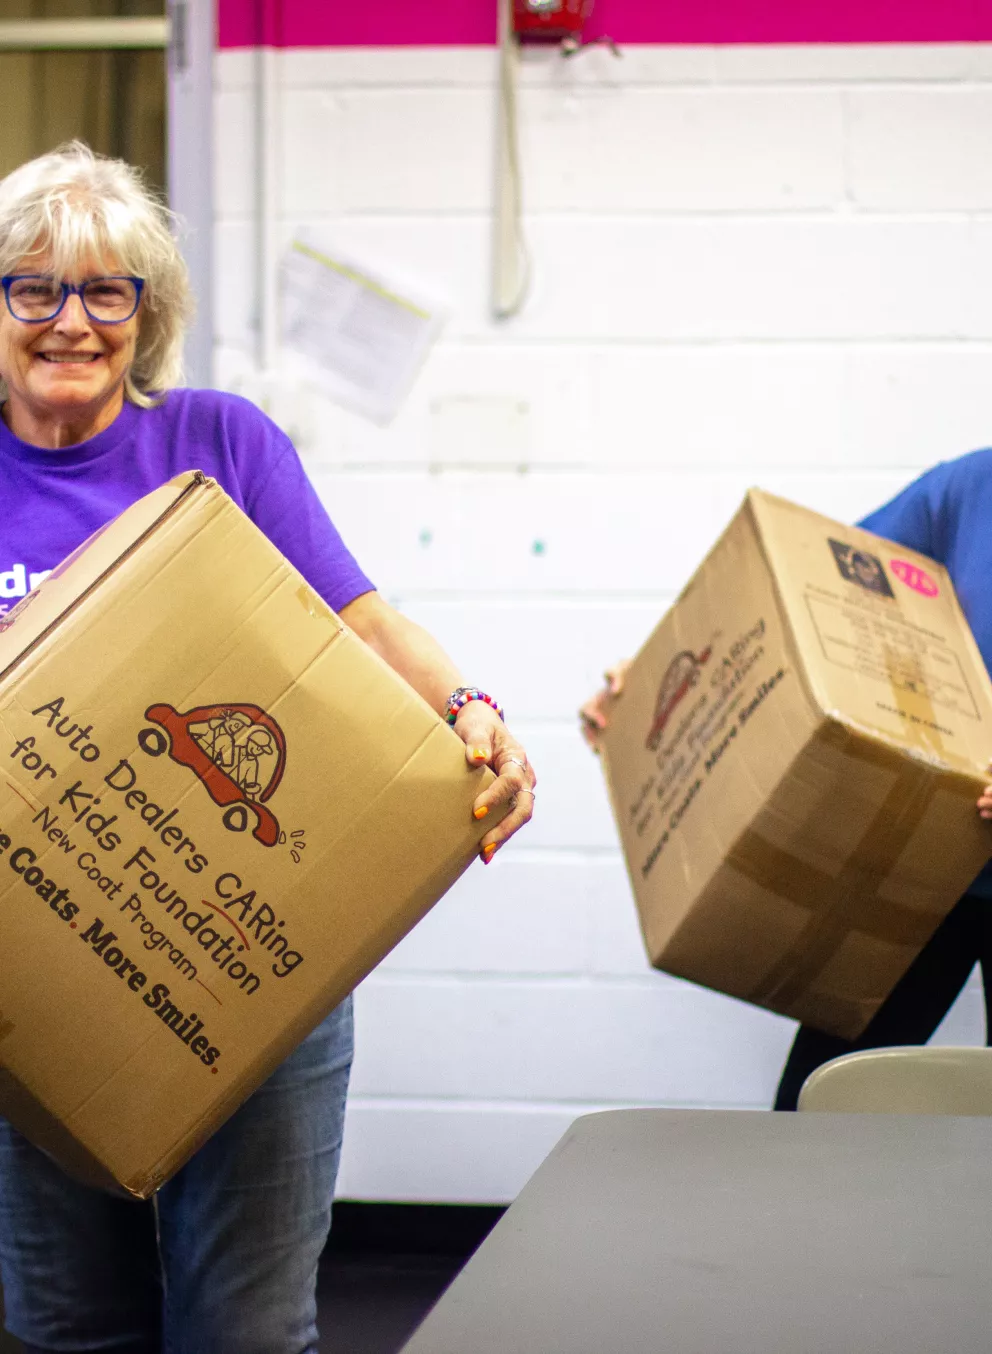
{"x":189,"y":145}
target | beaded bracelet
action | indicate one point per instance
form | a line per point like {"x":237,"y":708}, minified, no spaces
{"x":462,"y":696}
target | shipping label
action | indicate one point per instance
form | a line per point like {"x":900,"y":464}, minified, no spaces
{"x":884,"y":647}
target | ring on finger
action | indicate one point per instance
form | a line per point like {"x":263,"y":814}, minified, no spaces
{"x":516,"y":762}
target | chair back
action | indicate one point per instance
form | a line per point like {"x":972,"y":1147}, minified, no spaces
{"x":909,"y":1080}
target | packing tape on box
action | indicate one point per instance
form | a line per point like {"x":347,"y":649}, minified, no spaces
{"x":849,"y":901}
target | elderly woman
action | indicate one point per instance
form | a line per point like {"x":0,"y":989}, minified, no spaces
{"x":91,"y":329}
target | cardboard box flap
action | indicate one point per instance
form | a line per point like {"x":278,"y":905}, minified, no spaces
{"x":82,"y":571}
{"x":885,"y":647}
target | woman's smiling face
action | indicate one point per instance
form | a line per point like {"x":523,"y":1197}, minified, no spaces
{"x":65,"y":376}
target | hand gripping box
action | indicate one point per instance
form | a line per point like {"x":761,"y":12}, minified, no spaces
{"x":219,"y":809}
{"x":794,"y":765}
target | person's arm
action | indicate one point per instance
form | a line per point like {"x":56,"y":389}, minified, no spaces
{"x":419,"y":659}
{"x":282,"y":502}
{"x":595,"y":714}
{"x":913,"y":518}
{"x":407,"y":647}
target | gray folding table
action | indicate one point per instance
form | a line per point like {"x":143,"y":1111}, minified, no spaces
{"x":725,"y":1232}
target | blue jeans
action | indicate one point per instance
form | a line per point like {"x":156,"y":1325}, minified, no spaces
{"x":222,"y":1261}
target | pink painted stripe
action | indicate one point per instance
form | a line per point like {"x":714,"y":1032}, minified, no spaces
{"x":423,"y":23}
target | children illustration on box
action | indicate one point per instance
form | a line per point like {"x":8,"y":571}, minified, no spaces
{"x":237,"y":746}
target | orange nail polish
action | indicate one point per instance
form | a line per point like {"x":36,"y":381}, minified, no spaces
{"x":488,"y":853}
{"x":480,"y":754}
{"x":480,"y":812}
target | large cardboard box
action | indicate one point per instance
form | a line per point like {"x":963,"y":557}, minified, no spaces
{"x":218,"y":811}
{"x":794,"y":766}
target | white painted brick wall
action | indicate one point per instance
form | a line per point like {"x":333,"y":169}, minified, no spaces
{"x":752,"y":265}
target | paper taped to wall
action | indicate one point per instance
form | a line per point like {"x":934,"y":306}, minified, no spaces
{"x":357,"y":337}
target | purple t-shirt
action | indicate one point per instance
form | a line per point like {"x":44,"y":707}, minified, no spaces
{"x":51,"y":501}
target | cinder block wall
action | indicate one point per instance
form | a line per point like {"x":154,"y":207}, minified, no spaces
{"x":752,"y":265}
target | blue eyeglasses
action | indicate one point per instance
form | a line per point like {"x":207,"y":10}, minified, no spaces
{"x":33,"y":298}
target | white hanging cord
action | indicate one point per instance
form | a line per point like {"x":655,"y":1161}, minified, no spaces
{"x":511,"y":258}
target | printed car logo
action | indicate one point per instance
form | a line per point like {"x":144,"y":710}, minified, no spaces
{"x":681,"y":676}
{"x":237,"y":752}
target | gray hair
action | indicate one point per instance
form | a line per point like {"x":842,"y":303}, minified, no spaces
{"x":70,"y":204}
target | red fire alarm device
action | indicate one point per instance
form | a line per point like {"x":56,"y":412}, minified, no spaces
{"x":551,"y":21}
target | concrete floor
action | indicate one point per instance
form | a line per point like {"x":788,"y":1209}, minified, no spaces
{"x":385,"y":1267}
{"x":374,"y":1306}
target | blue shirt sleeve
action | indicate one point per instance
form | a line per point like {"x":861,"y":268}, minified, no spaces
{"x":914,"y":517}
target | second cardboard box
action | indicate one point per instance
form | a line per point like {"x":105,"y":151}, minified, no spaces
{"x":794,"y":766}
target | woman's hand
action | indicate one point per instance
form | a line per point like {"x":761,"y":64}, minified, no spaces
{"x":488,"y":742}
{"x":417,"y":656}
{"x":985,"y":801}
{"x":595,"y":714}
